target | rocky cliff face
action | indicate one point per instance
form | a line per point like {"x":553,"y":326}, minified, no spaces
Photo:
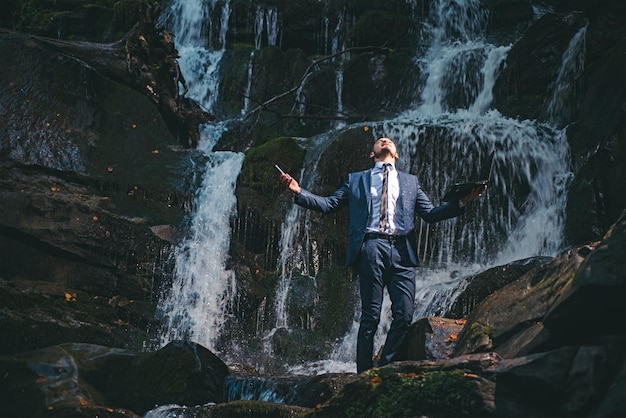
{"x":99,"y":174}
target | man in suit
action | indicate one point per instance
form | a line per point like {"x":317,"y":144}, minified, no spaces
{"x":382,"y":202}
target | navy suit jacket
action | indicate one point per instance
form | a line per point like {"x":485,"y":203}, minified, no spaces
{"x":355,"y":193}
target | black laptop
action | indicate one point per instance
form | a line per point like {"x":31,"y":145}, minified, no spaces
{"x":459,"y":190}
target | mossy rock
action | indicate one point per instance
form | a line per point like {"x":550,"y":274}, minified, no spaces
{"x":256,"y":409}
{"x":259,"y":177}
{"x":386,"y":393}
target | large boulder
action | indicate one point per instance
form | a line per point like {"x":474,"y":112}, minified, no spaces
{"x":593,"y":297}
{"x":71,"y":377}
{"x":91,"y":197}
{"x":560,"y":330}
{"x":508,"y":316}
{"x":446,"y":388}
{"x":524,"y":85}
{"x":598,"y":144}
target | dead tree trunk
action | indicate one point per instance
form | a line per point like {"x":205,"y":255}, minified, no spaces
{"x":146,"y":61}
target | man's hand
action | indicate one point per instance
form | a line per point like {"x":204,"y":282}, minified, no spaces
{"x":476,"y":192}
{"x":290,"y":182}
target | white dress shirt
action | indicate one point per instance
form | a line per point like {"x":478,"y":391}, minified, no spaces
{"x":395,"y":218}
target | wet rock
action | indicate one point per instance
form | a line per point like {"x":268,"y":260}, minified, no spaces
{"x":532,"y":64}
{"x":299,"y":390}
{"x":431,"y":338}
{"x":75,"y":378}
{"x":417,"y":389}
{"x":38,"y":314}
{"x":486,"y":282}
{"x":593,"y":297}
{"x":237,"y":409}
{"x":506,"y":314}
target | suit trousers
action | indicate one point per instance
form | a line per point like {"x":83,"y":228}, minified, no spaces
{"x":384,"y":262}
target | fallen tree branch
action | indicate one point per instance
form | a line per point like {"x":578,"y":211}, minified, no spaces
{"x":146,"y":61}
{"x":265,"y":105}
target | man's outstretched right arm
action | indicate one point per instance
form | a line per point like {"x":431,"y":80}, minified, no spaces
{"x":312,"y":201}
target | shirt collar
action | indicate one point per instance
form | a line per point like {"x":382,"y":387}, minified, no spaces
{"x":379,"y":165}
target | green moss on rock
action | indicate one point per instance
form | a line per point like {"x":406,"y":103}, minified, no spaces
{"x":257,"y":409}
{"x":259,"y":174}
{"x":386,"y":393}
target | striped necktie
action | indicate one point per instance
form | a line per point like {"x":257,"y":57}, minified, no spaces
{"x":383,"y":222}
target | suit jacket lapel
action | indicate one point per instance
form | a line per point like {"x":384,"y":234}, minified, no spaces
{"x":366,"y":181}
{"x":405,"y":193}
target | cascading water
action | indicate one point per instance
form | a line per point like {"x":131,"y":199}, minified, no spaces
{"x":203,"y":289}
{"x":266,"y":22}
{"x":299,"y":105}
{"x":447,"y":136}
{"x":296,"y":247}
{"x":199,"y":28}
{"x":339,"y":42}
{"x":266,"y":18}
{"x":196,"y":306}
{"x":559,"y":111}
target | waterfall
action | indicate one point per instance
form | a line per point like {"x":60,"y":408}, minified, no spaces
{"x":495,"y":57}
{"x":266,"y":21}
{"x":449,"y":137}
{"x":324,"y":38}
{"x":246,"y":98}
{"x":339,"y":43}
{"x":300,"y":101}
{"x":289,"y":256}
{"x":259,"y":23}
{"x":272,"y":26}
{"x":295,"y":246}
{"x":507,"y":223}
{"x":195,"y":307}
{"x":562,"y":106}
{"x":202,"y":290}
{"x":195,"y":25}
{"x":339,"y":92}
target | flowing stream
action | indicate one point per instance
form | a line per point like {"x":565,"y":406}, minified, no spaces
{"x":447,"y":136}
{"x":202,"y":292}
